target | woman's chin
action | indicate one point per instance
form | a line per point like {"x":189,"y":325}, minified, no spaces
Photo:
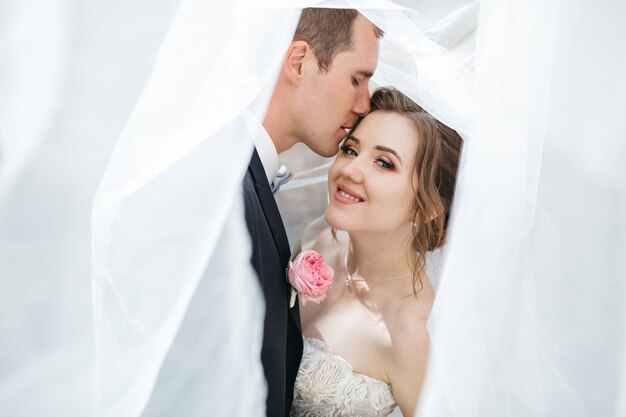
{"x":336,"y":220}
{"x":333,"y":220}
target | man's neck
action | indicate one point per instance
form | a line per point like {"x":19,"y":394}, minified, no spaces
{"x":277,"y":130}
{"x":278,"y":120}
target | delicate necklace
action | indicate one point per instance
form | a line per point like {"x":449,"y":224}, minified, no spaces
{"x":349,"y":278}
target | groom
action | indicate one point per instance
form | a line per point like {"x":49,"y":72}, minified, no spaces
{"x":321,"y":88}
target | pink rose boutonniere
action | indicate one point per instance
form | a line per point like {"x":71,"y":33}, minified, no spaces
{"x":308,"y":275}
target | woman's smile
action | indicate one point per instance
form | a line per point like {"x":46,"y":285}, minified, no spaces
{"x":347,"y":196}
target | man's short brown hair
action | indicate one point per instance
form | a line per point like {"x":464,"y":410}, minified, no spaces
{"x":328,"y":32}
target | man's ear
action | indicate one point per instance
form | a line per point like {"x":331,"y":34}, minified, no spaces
{"x":297,"y":53}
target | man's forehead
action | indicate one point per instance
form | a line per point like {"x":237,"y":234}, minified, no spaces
{"x":356,"y":64}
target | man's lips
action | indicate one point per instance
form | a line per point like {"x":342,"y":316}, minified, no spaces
{"x":346,"y":195}
{"x":341,"y":132}
{"x":348,"y":126}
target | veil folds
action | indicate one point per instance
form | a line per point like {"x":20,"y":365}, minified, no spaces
{"x":530,"y":305}
{"x":528,"y":319}
{"x":218,"y":64}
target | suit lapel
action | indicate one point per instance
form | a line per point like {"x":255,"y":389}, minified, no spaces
{"x":268,"y":203}
{"x":272,"y":215}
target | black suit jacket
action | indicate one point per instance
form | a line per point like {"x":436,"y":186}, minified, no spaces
{"x":282,"y":336}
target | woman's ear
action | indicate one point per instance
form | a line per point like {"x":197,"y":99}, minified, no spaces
{"x":297,"y":53}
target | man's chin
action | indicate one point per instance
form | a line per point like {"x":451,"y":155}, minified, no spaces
{"x":329,"y":154}
{"x":326,"y":152}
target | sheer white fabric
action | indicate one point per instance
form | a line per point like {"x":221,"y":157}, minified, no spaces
{"x":327,"y":386}
{"x":529,"y":318}
{"x":32,"y":36}
{"x":68,"y":83}
{"x":159,"y":224}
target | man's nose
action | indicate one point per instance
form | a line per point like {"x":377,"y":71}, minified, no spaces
{"x":362,"y":104}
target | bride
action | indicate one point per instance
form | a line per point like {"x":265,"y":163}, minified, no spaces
{"x":391,"y":188}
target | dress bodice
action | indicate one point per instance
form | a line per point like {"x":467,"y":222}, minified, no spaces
{"x":326,"y":386}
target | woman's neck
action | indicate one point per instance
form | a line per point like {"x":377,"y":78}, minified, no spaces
{"x":377,"y":258}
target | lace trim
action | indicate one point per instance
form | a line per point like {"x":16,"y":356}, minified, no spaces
{"x":321,"y":346}
{"x":328,"y":386}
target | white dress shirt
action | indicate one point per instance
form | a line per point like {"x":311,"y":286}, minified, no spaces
{"x":264,"y":145}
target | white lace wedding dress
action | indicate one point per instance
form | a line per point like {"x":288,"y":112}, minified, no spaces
{"x":326,"y":386}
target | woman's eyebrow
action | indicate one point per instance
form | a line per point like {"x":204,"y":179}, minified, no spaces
{"x":379,"y":147}
{"x":386,"y":149}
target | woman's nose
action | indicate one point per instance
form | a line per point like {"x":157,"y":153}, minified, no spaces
{"x":353,"y":170}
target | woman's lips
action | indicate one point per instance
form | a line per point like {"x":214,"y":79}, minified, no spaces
{"x":347,"y":196}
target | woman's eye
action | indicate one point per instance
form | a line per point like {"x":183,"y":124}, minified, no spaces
{"x":384,"y":163}
{"x":355,"y":82}
{"x":348,"y":150}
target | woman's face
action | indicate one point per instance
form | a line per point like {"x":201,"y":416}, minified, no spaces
{"x":370,"y":184}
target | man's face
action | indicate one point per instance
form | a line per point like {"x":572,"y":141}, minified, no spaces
{"x":331,"y":100}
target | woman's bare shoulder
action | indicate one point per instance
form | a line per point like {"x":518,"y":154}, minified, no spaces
{"x":408,"y":327}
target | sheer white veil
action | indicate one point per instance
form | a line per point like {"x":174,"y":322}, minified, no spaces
{"x":529,"y":318}
{"x":71,"y":73}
